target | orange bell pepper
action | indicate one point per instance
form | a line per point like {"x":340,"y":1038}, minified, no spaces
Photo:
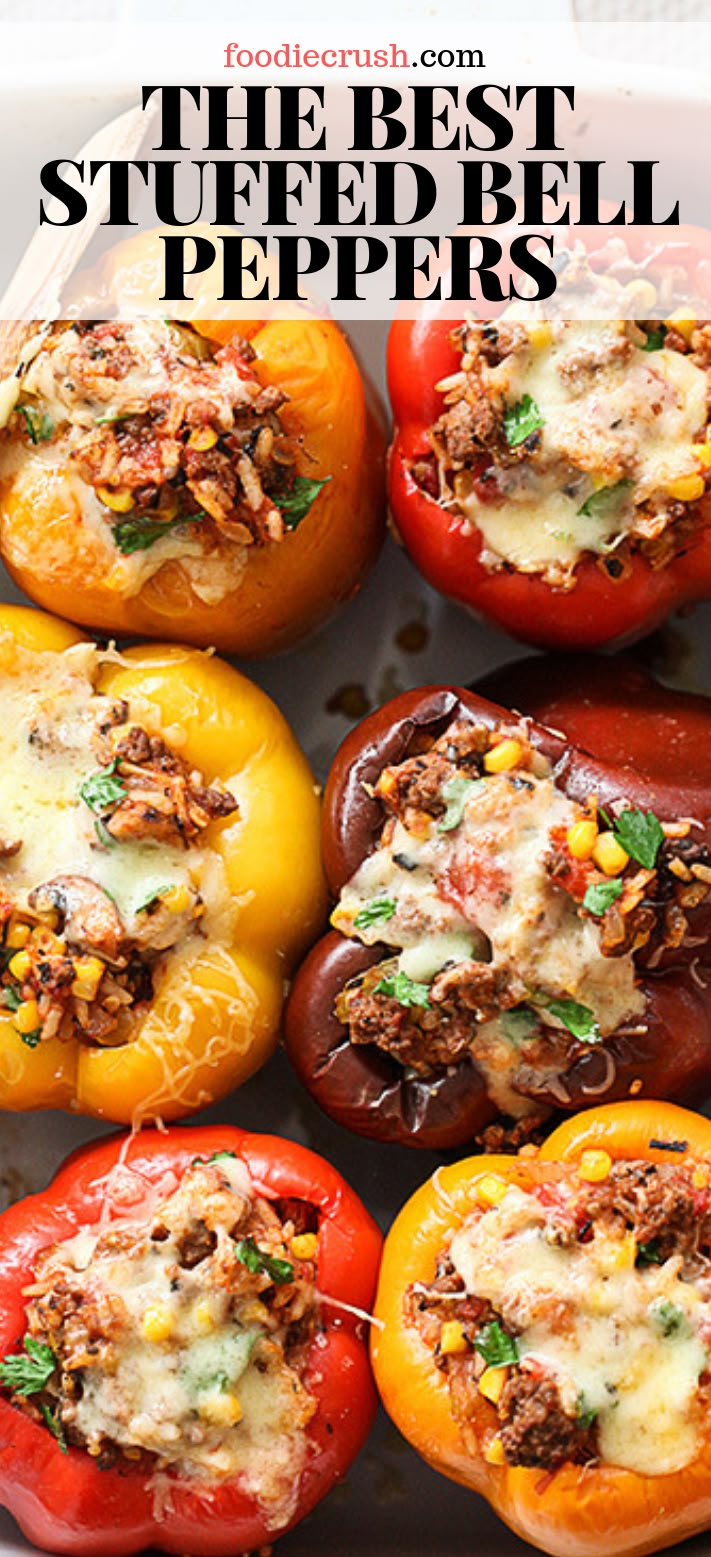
{"x":57,"y":552}
{"x":215,"y":1013}
{"x":579,"y":1510}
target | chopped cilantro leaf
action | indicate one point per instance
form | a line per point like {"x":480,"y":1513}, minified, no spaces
{"x":27,"y":1372}
{"x":519,"y":1024}
{"x":520,"y":420}
{"x":601,"y":896}
{"x":585,"y":1415}
{"x":216,"y":1156}
{"x":498,"y":1349}
{"x":399,"y":987}
{"x":103,"y":790}
{"x":648,"y":1254}
{"x":141,"y":531}
{"x":654,"y":341}
{"x":11,"y":998}
{"x":456,"y":792}
{"x":578,"y":1019}
{"x":295,"y":504}
{"x":153,"y":897}
{"x":54,"y":1425}
{"x":39,"y":425}
{"x":606,"y":501}
{"x":256,"y":1261}
{"x":640,"y":835}
{"x":377,"y":911}
{"x":669,"y":1318}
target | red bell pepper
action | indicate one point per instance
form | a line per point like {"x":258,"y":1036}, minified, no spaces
{"x":599,"y":609}
{"x":619,"y":735}
{"x":61,"y":1499}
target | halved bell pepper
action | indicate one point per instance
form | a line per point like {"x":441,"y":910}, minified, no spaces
{"x":578,"y":1509}
{"x":214,"y":1015}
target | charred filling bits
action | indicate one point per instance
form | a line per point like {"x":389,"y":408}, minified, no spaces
{"x":480,"y":808}
{"x":529,"y":1382}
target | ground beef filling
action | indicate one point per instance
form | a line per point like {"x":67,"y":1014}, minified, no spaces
{"x":513,"y":1397}
{"x":167,"y":1342}
{"x":70,"y":967}
{"x":166,"y":429}
{"x":430,"y":1024}
{"x":483,"y":457}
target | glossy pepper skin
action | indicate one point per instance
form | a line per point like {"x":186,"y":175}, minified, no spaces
{"x":63,"y":1502}
{"x":366,"y":1089}
{"x":581,"y":1511}
{"x":270,"y":848}
{"x":285,"y":589}
{"x":598,"y":610}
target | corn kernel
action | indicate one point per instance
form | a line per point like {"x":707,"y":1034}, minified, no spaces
{"x":617,"y":1253}
{"x":88,"y":975}
{"x":490,"y":1191}
{"x":203,"y":438}
{"x":26,"y":1017}
{"x":609,"y":855}
{"x":494,"y":1452}
{"x":492,"y":1382}
{"x":46,"y":941}
{"x":119,"y":499}
{"x":50,"y":920}
{"x":304,"y":1246}
{"x":540,"y":334}
{"x":156,"y":1323}
{"x":19,"y":965}
{"x":687,"y":489}
{"x":221,"y":1410}
{"x":700,"y":1178}
{"x":204,"y":1315}
{"x":17,"y":935}
{"x":678,"y":322}
{"x":594,"y":1166}
{"x":176,"y":899}
{"x":503,"y":757}
{"x":452,"y":1338}
{"x":581,"y":839}
{"x":643,"y":294}
{"x":703,"y":452}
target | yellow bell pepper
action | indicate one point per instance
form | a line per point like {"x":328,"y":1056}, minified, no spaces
{"x":215,"y":1014}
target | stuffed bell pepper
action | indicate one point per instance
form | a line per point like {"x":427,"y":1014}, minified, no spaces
{"x":159,"y":873}
{"x":182,"y":1362}
{"x":217,"y":481}
{"x":546,"y":1330}
{"x":521,"y":916}
{"x":553,"y":474}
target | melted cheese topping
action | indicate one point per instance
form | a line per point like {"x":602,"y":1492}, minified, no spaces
{"x":625,"y":1343}
{"x":210,"y":1393}
{"x":482,"y":890}
{"x":607,"y":418}
{"x":47,"y":751}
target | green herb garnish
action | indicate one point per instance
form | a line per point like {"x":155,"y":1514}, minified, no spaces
{"x":27,"y":1372}
{"x":103,"y":790}
{"x":399,"y":987}
{"x":654,"y":341}
{"x":606,"y":501}
{"x":141,"y":532}
{"x":648,"y":1254}
{"x":39,"y":425}
{"x":585,"y":1415}
{"x":217,"y":1156}
{"x":669,"y":1318}
{"x":520,"y":420}
{"x":377,"y":911}
{"x":578,"y":1019}
{"x":54,"y":1425}
{"x":456,"y":792}
{"x":259,"y":1263}
{"x":153,"y":896}
{"x":498,"y":1349}
{"x":519,"y":1024}
{"x":11,"y":998}
{"x":640,"y":835}
{"x":295,"y":504}
{"x":601,"y":896}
